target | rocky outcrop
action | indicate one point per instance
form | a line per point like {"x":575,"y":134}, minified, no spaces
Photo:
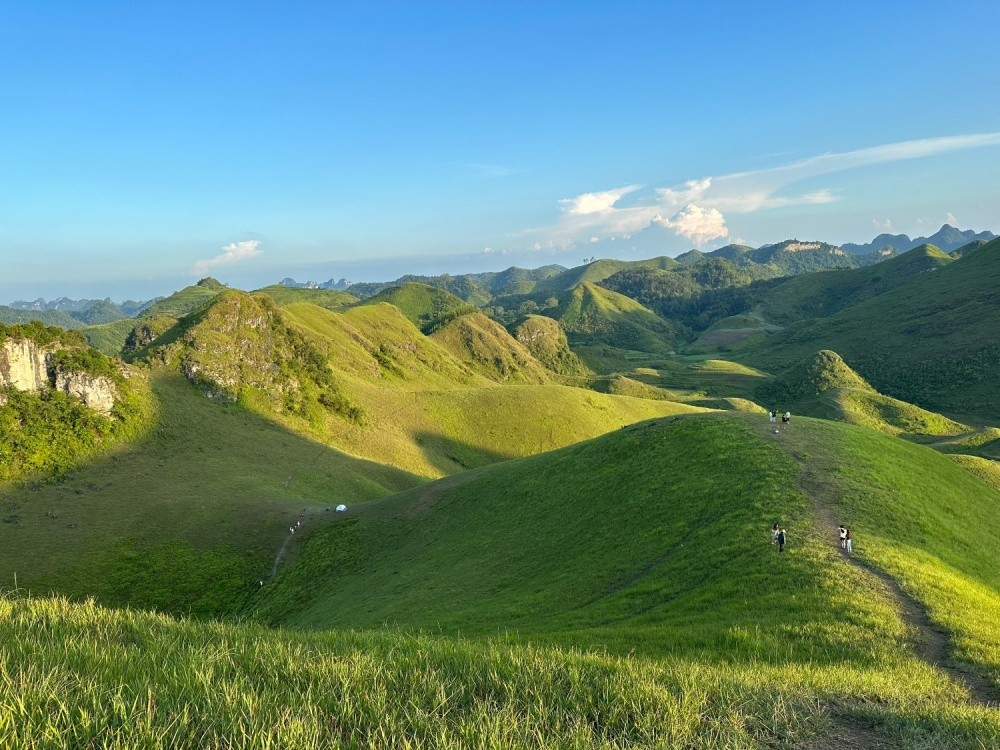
{"x":96,"y":391}
{"x":27,"y":366}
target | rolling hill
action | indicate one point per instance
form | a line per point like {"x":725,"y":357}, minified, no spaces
{"x":592,"y":315}
{"x":822,"y":385}
{"x":427,"y":307}
{"x":819,"y":295}
{"x":486,"y":347}
{"x":653,"y":541}
{"x":256,"y":413}
{"x":929,"y":340}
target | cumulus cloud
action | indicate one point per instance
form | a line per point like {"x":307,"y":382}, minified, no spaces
{"x":698,"y":208}
{"x":234,"y":252}
{"x":593,"y":203}
{"x":696,"y":223}
{"x":883,"y":226}
{"x":950,"y":219}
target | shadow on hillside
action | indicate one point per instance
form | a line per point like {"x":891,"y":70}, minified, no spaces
{"x":183,"y":519}
{"x":450,"y":456}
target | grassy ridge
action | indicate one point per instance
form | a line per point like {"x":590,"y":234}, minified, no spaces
{"x":823,"y":385}
{"x":929,"y":341}
{"x":487,"y":347}
{"x":431,"y":414}
{"x":629,"y":535}
{"x":920,"y":516}
{"x":819,"y":295}
{"x":592,"y":315}
{"x":425,"y":306}
{"x":328,"y":298}
{"x":184,"y":518}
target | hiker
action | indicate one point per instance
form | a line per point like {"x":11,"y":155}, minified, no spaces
{"x":774,"y":534}
{"x":781,"y":541}
{"x":786,"y":417}
{"x":848,"y":538}
{"x":772,"y":416}
{"x":843,"y":536}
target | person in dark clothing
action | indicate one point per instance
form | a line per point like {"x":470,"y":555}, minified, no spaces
{"x":781,"y":541}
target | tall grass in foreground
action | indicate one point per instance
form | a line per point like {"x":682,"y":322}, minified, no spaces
{"x":78,"y":675}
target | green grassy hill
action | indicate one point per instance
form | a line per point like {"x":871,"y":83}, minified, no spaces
{"x":331,"y":299}
{"x":486,"y":347}
{"x":295,"y":407}
{"x":591,"y":273}
{"x":929,"y":341}
{"x":11,"y":316}
{"x":109,"y":338}
{"x":822,"y":385}
{"x":432,"y":414}
{"x":187,"y":300}
{"x":184,"y":517}
{"x":124,"y":336}
{"x":818,"y":295}
{"x":654,"y":541}
{"x":638,"y":528}
{"x":546,"y":340}
{"x":620,"y":592}
{"x":425,"y":306}
{"x":592,"y":315}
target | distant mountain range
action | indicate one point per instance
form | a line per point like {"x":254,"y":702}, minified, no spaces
{"x":78,"y":308}
{"x":339,"y":286}
{"x":788,"y":258}
{"x":947,"y":238}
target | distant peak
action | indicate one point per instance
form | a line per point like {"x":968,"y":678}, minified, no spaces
{"x":209,"y":283}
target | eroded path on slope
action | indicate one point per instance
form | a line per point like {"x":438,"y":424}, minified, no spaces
{"x":932,"y":642}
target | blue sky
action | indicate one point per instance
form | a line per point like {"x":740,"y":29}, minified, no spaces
{"x":143,"y":145}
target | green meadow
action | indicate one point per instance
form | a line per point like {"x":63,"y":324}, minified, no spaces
{"x":558,"y":517}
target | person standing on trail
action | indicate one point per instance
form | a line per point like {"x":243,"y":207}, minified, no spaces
{"x":774,"y":534}
{"x":772,"y":416}
{"x":781,"y":540}
{"x":786,"y":417}
{"x":843,"y":536}
{"x":848,"y":538}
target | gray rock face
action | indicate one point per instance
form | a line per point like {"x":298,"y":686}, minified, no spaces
{"x":26,"y":366}
{"x":95,"y":391}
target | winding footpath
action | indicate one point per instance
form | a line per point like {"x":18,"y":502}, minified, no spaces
{"x":932,"y":642}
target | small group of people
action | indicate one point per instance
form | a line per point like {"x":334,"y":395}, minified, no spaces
{"x":778,"y":536}
{"x":772,"y":416}
{"x":846,"y":539}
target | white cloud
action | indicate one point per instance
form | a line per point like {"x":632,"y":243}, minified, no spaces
{"x":883,"y":226}
{"x":698,"y":208}
{"x":234,"y":252}
{"x":592,"y":203}
{"x":696,"y":223}
{"x":682,"y":195}
{"x":950,"y":219}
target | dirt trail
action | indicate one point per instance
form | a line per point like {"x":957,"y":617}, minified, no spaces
{"x":931,"y":641}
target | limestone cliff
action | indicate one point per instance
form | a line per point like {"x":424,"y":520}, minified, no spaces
{"x":25,"y":365}
{"x":29,"y":366}
{"x":96,"y":391}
